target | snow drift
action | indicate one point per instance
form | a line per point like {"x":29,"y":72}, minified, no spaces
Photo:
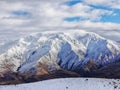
{"x":68,"y":84}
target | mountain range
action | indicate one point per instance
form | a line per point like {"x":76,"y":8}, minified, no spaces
{"x":76,"y":51}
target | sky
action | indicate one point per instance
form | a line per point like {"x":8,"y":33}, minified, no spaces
{"x":20,"y":16}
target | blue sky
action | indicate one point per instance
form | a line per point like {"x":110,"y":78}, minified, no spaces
{"x":70,"y":3}
{"x":20,"y":13}
{"x":72,"y":19}
{"x":105,"y":18}
{"x":114,"y":19}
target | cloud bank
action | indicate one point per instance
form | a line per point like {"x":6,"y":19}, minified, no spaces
{"x":24,"y":15}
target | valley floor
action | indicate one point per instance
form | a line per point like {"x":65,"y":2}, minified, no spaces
{"x":68,"y":84}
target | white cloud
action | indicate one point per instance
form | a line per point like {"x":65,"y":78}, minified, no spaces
{"x":46,"y":13}
{"x":88,"y":25}
{"x":51,"y":13}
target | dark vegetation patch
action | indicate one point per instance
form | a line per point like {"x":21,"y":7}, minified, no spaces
{"x":111,"y":71}
{"x":15,"y":78}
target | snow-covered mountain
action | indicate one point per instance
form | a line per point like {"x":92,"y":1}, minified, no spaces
{"x":68,"y":50}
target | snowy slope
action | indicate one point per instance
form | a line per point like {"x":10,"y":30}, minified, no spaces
{"x":68,"y":84}
{"x":65,"y":49}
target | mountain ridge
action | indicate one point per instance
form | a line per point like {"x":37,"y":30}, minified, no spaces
{"x":67,"y":50}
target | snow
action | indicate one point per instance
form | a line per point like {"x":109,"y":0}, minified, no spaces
{"x":70,"y":48}
{"x":68,"y":84}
